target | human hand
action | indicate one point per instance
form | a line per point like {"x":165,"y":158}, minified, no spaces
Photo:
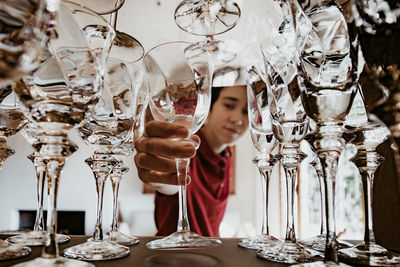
{"x":156,"y":152}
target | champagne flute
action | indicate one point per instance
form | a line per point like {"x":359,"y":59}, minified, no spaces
{"x":265,"y":142}
{"x":179,"y":76}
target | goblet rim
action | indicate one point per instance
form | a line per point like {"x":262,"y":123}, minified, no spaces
{"x":119,"y":4}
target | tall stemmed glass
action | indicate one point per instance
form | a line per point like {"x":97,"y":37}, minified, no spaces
{"x":20,"y":48}
{"x":265,"y":142}
{"x":289,"y":124}
{"x":36,"y":237}
{"x":318,"y":242}
{"x":327,"y":78}
{"x":179,"y":76}
{"x":11,"y":121}
{"x":366,"y":138}
{"x":106,"y":127}
{"x":57,"y":96}
{"x":209,"y":18}
{"x":120,"y":152}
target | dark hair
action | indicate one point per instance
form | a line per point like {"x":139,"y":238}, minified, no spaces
{"x":215,"y":91}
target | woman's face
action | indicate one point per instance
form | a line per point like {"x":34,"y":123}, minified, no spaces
{"x":227,"y":121}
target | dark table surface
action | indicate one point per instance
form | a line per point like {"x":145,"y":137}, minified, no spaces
{"x":228,"y":254}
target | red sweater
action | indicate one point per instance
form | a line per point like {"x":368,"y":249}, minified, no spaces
{"x":207,"y":194}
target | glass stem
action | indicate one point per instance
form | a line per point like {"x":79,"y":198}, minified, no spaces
{"x":182,"y":166}
{"x":53,"y":167}
{"x":368,"y":184}
{"x":115,"y":181}
{"x":100,"y":177}
{"x":321,"y":185}
{"x":329,"y":163}
{"x":291,"y":178}
{"x":40,"y":174}
{"x":265,"y":177}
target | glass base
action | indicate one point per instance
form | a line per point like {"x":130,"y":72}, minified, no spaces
{"x":370,"y":254}
{"x":35,"y":238}
{"x":318,"y":243}
{"x":121,"y":238}
{"x":290,"y":253}
{"x":97,"y":251}
{"x":12,"y":251}
{"x":51,"y":262}
{"x":182,"y":240}
{"x":322,"y":264}
{"x":259,"y":242}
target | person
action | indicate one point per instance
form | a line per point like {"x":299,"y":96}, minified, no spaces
{"x":210,"y":166}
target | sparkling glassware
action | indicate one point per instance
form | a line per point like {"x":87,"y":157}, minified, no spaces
{"x":106,"y":127}
{"x":265,"y":142}
{"x":20,"y":48}
{"x":11,"y":121}
{"x":318,"y":242}
{"x":209,"y":18}
{"x":36,"y":237}
{"x":290,"y":124}
{"x":22,"y":37}
{"x":366,"y":138}
{"x":179,"y":77}
{"x":57,"y":96}
{"x":120,"y":152}
{"x":327,"y":79}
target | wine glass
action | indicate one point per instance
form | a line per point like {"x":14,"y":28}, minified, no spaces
{"x":327,"y":78}
{"x":290,"y":125}
{"x":36,"y":237}
{"x":22,"y":38}
{"x":265,"y":142}
{"x":21,"y":46}
{"x":318,"y":242}
{"x":209,"y":18}
{"x":106,"y":127}
{"x":179,"y":78}
{"x":57,"y":96}
{"x":11,"y":121}
{"x":366,"y":138}
{"x":120,"y":152}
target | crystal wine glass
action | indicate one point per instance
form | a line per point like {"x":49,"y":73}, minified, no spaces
{"x":11,"y":121}
{"x":106,"y":127}
{"x":179,"y":76}
{"x":120,"y":152}
{"x":209,"y":18}
{"x":290,"y":124}
{"x":22,"y":39}
{"x":57,"y":96}
{"x":265,"y":142}
{"x":327,"y":78}
{"x":36,"y":237}
{"x":21,"y":45}
{"x":366,"y":138}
